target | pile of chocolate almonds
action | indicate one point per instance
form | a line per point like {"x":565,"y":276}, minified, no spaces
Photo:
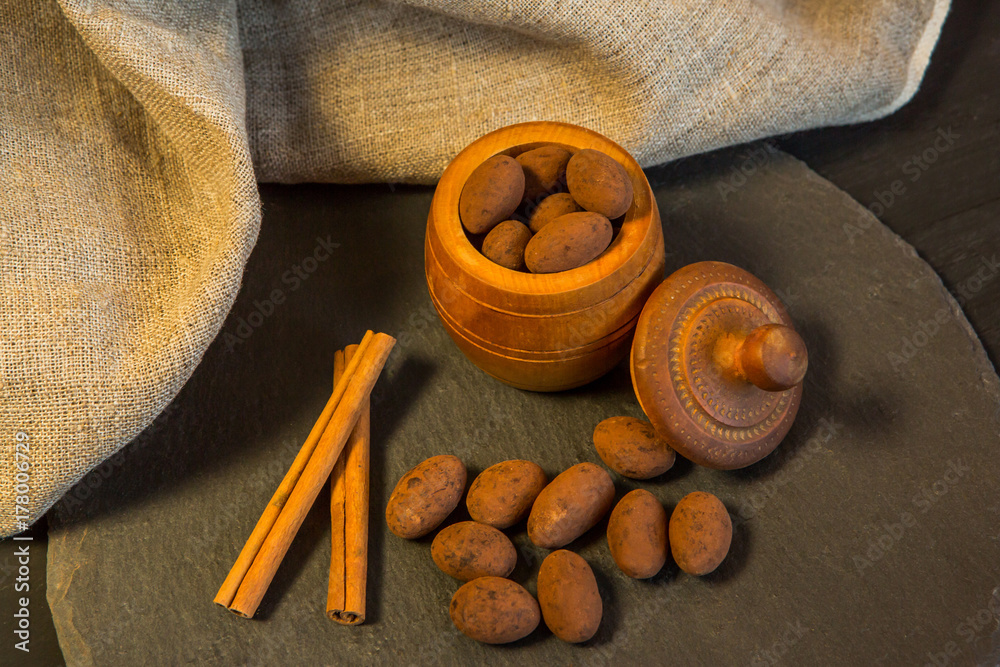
{"x":547,"y":209}
{"x":491,"y":608}
{"x":699,"y":531}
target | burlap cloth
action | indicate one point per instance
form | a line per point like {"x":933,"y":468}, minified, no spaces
{"x":132,"y":135}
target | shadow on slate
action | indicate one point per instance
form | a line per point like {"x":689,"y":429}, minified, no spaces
{"x":870,"y":536}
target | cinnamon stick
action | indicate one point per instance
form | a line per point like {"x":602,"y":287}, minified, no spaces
{"x":349,"y":517}
{"x":227,"y":592}
{"x":336,"y":588}
{"x":358,"y":381}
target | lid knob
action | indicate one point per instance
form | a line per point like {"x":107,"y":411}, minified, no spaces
{"x":773,"y":357}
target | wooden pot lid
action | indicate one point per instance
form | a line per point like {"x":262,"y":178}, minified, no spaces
{"x":717,"y":366}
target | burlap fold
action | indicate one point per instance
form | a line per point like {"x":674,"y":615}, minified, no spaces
{"x":130,"y":134}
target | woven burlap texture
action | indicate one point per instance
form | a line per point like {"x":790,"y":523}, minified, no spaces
{"x":131,"y":133}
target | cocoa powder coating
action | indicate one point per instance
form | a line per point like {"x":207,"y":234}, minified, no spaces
{"x":568,"y":242}
{"x":599,"y":183}
{"x":637,"y":534}
{"x":505,"y":244}
{"x":492,"y":193}
{"x":502,"y":495}
{"x":700,"y":533}
{"x":568,"y":596}
{"x":630,"y":447}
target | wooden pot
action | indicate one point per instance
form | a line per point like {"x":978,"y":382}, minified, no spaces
{"x":543,"y":332}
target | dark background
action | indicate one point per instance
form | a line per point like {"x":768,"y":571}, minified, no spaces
{"x":947,"y":206}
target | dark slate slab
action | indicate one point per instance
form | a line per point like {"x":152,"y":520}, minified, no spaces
{"x":872,"y":536}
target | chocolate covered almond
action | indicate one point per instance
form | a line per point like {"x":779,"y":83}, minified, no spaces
{"x":502,"y":495}
{"x":468,"y":550}
{"x":544,"y":171}
{"x":549,"y":209}
{"x":568,"y":242}
{"x":425,"y":496}
{"x":568,"y":596}
{"x":637,"y":534}
{"x":630,"y":447}
{"x":700,"y":533}
{"x":505,"y":244}
{"x":599,"y":183}
{"x":570,"y":505}
{"x":491,"y":194}
{"x":494,"y":610}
